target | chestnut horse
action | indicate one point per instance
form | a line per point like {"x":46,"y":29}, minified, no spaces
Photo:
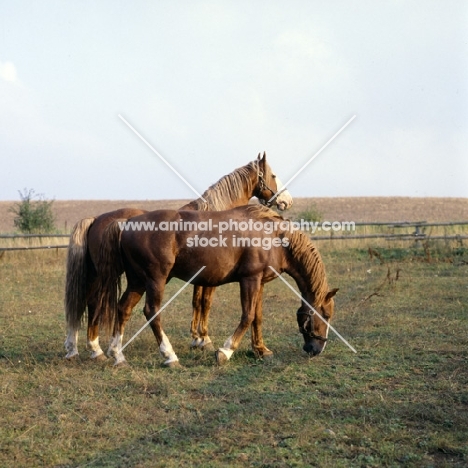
{"x":235,"y":189}
{"x":258,"y":243}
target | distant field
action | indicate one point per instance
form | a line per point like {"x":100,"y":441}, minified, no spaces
{"x":333,"y":209}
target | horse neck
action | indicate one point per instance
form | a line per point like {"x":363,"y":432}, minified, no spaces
{"x":301,"y":281}
{"x":308,"y":271}
{"x":232,"y":190}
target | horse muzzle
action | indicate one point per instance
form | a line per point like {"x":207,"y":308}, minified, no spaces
{"x":282,"y":206}
{"x":313,"y":349}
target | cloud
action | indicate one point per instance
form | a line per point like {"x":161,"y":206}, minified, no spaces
{"x":8,"y":72}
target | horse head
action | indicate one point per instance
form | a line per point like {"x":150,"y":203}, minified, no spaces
{"x":315,"y":329}
{"x":269,"y":184}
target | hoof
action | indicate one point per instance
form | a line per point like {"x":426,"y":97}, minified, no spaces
{"x":267,"y":356}
{"x":263,"y":353}
{"x":121,"y":364}
{"x":221,"y":358}
{"x":172,"y":364}
{"x":73,"y":357}
{"x":208,"y":347}
{"x":99,"y":358}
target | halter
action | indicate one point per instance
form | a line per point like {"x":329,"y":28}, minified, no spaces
{"x":262,"y":186}
{"x":302,"y":329}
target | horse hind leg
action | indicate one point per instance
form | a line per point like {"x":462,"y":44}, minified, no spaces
{"x":127,"y":302}
{"x":97,"y":354}
{"x":71,"y":344}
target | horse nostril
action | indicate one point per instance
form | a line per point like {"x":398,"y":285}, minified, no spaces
{"x":309,"y":348}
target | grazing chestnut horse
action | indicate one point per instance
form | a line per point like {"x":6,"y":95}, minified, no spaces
{"x":235,"y":189}
{"x":241,"y":245}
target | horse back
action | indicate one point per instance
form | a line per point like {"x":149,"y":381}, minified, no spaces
{"x":179,"y":243}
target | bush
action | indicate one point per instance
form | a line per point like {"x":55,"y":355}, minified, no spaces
{"x":33,"y":216}
{"x":310,"y":214}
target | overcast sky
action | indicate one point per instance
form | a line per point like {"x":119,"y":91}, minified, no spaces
{"x":211,"y":83}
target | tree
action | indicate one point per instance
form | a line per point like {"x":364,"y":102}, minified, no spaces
{"x":34,"y":213}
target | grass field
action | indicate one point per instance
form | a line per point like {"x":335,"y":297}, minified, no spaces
{"x":402,"y":400}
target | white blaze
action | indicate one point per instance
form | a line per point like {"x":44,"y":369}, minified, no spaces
{"x":326,"y":336}
{"x":284,"y":198}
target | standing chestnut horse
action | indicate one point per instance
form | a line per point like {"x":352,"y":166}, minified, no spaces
{"x":258,"y":242}
{"x":235,"y":189}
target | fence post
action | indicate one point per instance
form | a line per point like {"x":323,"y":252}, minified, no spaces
{"x":417,"y":241}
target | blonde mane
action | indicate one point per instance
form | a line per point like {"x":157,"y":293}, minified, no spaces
{"x":224,"y":193}
{"x":261,"y":211}
{"x":304,"y":254}
{"x":309,"y":263}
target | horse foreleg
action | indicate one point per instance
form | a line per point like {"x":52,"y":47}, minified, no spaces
{"x":258,"y":346}
{"x":250,"y":288}
{"x":153,"y":302}
{"x":126,"y":304}
{"x":197,"y":307}
{"x":207,"y":300}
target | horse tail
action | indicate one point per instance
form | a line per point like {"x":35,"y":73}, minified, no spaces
{"x":76,"y":287}
{"x":110,"y":268}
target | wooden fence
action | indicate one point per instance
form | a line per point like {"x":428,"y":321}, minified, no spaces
{"x":34,"y":236}
{"x":417,"y":236}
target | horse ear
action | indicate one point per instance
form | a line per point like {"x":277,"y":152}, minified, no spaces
{"x":330,"y":294}
{"x":264,"y":157}
{"x":258,"y":157}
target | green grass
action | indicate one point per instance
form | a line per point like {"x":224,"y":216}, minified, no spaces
{"x":402,"y":400}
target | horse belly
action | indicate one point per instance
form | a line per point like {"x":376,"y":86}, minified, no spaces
{"x":219,"y":266}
